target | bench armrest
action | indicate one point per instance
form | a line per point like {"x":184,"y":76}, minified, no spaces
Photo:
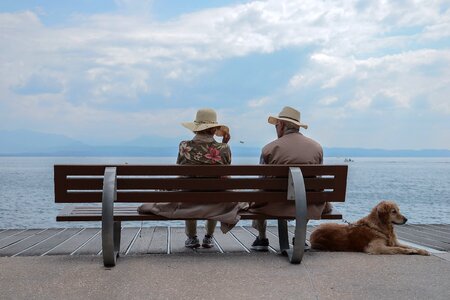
{"x":297,"y":193}
{"x":110,"y":232}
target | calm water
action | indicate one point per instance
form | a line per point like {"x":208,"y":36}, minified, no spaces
{"x":421,"y":186}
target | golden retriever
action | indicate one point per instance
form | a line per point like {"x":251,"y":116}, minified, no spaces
{"x":373,"y":234}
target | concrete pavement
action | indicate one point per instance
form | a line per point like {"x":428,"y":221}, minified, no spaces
{"x":322,"y":275}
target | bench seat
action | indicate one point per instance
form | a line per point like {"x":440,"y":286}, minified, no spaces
{"x":130,"y":213}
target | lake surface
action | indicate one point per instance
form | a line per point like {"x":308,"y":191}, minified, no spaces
{"x":421,"y":187}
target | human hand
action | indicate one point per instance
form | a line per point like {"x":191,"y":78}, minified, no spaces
{"x":226,"y":137}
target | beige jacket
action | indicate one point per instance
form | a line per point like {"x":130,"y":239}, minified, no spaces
{"x":292,"y":148}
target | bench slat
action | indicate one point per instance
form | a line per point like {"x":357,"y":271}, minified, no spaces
{"x":180,"y":183}
{"x":130,"y":214}
{"x":196,"y":183}
{"x":203,"y":170}
{"x":200,"y":197}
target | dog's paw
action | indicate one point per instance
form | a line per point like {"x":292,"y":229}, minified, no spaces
{"x":423,"y":252}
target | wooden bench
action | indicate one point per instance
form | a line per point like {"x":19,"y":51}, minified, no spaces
{"x":107,"y":184}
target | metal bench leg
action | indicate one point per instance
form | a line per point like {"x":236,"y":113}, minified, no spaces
{"x":110,"y":229}
{"x":297,"y":192}
{"x":283,"y":236}
{"x":117,"y":236}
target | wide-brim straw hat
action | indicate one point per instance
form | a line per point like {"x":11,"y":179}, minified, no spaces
{"x":206,"y":118}
{"x":288,"y":114}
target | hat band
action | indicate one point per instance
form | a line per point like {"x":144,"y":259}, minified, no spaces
{"x":205,"y":122}
{"x":286,"y":117}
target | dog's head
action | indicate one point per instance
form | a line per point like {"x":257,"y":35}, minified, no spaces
{"x":388,"y":212}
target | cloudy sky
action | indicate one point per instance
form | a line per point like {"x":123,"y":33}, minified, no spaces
{"x":371,"y":74}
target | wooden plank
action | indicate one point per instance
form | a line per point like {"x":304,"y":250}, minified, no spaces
{"x":188,"y":196}
{"x":421,"y":232}
{"x":82,"y":213}
{"x":159,"y":241}
{"x":92,"y":246}
{"x":177,"y":239}
{"x":273,"y":230}
{"x":201,"y":197}
{"x":429,"y":231}
{"x":411,"y":231}
{"x":18,"y":237}
{"x":145,"y":183}
{"x":243,"y":236}
{"x":444,"y":227}
{"x":411,"y":237}
{"x":142,"y":242}
{"x":291,"y":231}
{"x":24,"y":244}
{"x":334,"y":214}
{"x":127,"y":236}
{"x":274,"y":244}
{"x":60,"y":184}
{"x":201,"y":231}
{"x":79,"y":169}
{"x":227,"y":170}
{"x":203,"y":170}
{"x":49,"y":244}
{"x":228,"y":243}
{"x":441,"y":228}
{"x":72,"y":244}
{"x":10,"y":232}
{"x":266,"y":183}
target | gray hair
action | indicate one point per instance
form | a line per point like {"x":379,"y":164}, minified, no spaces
{"x":289,"y":127}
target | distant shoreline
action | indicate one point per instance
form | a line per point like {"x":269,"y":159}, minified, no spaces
{"x":26,"y":143}
{"x":117,"y":151}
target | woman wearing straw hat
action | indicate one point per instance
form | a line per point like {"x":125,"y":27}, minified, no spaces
{"x":203,"y":149}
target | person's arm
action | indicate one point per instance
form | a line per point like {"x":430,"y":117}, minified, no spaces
{"x":179,"y":154}
{"x":226,"y":138}
{"x":321,"y":156}
{"x":226,"y":155}
{"x":261,"y":159}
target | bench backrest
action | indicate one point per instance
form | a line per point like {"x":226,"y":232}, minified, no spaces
{"x":176,"y":183}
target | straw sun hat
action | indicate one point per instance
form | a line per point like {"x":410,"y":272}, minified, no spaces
{"x":288,"y":114}
{"x":206,"y":118}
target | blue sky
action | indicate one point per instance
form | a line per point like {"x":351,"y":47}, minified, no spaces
{"x":371,"y":74}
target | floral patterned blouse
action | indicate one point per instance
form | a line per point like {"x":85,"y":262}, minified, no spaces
{"x":203,"y":150}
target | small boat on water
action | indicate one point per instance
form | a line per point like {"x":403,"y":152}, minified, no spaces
{"x":348,"y":160}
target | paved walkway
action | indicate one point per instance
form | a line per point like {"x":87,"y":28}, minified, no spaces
{"x":321,"y":275}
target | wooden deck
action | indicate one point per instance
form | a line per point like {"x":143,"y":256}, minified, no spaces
{"x":159,"y":240}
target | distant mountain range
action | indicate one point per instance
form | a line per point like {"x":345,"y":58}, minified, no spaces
{"x":30,"y":143}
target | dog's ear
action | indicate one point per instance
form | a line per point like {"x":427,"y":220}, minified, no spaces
{"x":383,"y":212}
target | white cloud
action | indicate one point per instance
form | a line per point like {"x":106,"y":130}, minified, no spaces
{"x":363,"y":54}
{"x":296,"y":80}
{"x":328,"y":100}
{"x":402,"y":78}
{"x":258,"y":102}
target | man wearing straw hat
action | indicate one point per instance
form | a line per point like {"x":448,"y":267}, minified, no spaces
{"x":291,"y":147}
{"x":202,"y":149}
